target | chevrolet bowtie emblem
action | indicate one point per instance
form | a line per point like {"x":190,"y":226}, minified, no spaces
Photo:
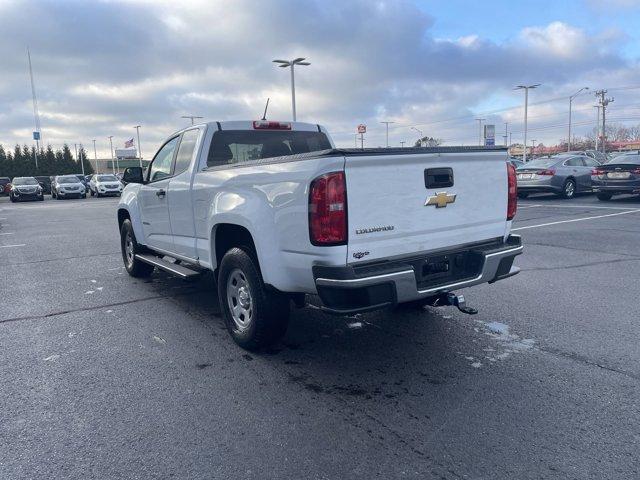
{"x":440,"y":200}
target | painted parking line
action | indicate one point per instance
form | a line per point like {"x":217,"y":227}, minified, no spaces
{"x":586,"y":207}
{"x":522,"y":207}
{"x":12,"y":246}
{"x":576,"y":220}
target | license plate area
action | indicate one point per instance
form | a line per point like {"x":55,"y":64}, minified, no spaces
{"x":525,"y":176}
{"x":618,"y":175}
{"x":447,"y":268}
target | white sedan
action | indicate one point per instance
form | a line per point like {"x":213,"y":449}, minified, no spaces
{"x":105,"y":184}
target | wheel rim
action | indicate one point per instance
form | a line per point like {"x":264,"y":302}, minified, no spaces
{"x":239,"y":299}
{"x":129,"y":250}
{"x":569,"y":189}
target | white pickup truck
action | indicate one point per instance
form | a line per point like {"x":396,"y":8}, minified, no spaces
{"x":277,"y":212}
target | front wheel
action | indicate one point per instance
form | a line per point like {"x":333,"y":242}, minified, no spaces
{"x":604,"y":196}
{"x":569,"y":189}
{"x":254,"y":315}
{"x":130,"y":248}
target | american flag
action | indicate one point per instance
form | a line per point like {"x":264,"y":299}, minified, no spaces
{"x":128,"y":143}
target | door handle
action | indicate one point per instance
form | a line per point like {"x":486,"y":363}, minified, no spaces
{"x":161,"y":193}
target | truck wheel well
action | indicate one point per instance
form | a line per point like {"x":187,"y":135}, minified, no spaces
{"x":228,"y":236}
{"x":122,"y":216}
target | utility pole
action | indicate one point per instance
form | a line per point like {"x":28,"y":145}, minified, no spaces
{"x":37,"y":135}
{"x":506,"y":134}
{"x":387,"y":125}
{"x":402,"y":144}
{"x":570,"y":101}
{"x":81,"y":159}
{"x":292,"y":63}
{"x":192,"y":117}
{"x":597,"y":107}
{"x":420,"y":132}
{"x":113,"y":164}
{"x":137,"y":127}
{"x":533,"y":146}
{"x":603,"y":103}
{"x":480,"y":120}
{"x":526,"y":106}
{"x":95,"y":155}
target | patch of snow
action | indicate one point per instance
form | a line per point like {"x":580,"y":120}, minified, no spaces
{"x":89,"y":292}
{"x":52,"y":358}
{"x":476,"y":364}
{"x":498,"y":328}
{"x":94,"y":281}
{"x":71,"y":334}
{"x":354,"y":325}
{"x":99,"y":288}
{"x":159,"y":340}
{"x":109,"y":311}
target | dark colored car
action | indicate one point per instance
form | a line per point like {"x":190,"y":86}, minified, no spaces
{"x":620,"y":175}
{"x":45,"y":183}
{"x":597,"y":155}
{"x":25,"y":188}
{"x":564,"y":175}
{"x":5,"y":186}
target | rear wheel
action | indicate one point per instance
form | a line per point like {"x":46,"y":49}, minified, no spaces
{"x":569,"y":189}
{"x":604,"y":196}
{"x":130,"y":248}
{"x":254,"y":315}
{"x":12,"y":198}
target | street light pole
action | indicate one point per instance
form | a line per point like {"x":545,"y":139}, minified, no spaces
{"x":137,"y":127}
{"x":506,"y":134}
{"x":387,"y":125}
{"x":113,"y":164}
{"x":480,"y":120}
{"x":570,"y":102}
{"x":526,"y":106}
{"x":292,"y":63}
{"x":95,"y":155}
{"x":75,"y":146}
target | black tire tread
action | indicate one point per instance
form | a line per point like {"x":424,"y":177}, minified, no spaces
{"x":271,"y":308}
{"x":139,"y":269}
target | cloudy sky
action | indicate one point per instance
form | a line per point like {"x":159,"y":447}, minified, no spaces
{"x":102,"y":67}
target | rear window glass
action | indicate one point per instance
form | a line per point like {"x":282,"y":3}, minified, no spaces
{"x":633,"y":159}
{"x":236,"y":146}
{"x":540,"y":163}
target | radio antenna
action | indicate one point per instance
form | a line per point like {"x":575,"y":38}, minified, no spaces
{"x":264,"y":116}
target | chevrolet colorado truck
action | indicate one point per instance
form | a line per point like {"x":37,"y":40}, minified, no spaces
{"x":276,"y":212}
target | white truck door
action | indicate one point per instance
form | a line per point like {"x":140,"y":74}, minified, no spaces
{"x":179,"y":197}
{"x":154,"y":207}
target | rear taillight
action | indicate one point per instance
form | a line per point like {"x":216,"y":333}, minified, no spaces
{"x":549,"y":171}
{"x":328,"y":210}
{"x":597,"y":171}
{"x":267,"y":125}
{"x":512,"y":193}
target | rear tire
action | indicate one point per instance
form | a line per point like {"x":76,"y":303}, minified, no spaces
{"x":568,"y":189}
{"x":255,"y":316}
{"x":605,"y":197}
{"x":12,"y":198}
{"x":130,"y":248}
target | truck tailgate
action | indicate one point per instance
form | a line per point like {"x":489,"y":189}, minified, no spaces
{"x":386,"y":196}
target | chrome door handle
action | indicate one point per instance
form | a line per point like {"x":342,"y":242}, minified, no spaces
{"x":161,"y":193}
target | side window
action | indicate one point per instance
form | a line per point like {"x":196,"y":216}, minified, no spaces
{"x":161,"y":164}
{"x":185,"y":151}
{"x":574,"y":162}
{"x":590,"y":162}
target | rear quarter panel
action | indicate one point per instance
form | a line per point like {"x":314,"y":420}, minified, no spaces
{"x":270,"y":200}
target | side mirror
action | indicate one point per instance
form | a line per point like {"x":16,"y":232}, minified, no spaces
{"x":132,"y":175}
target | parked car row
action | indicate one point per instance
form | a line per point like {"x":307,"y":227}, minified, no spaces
{"x":571,"y":173}
{"x":60,"y":186}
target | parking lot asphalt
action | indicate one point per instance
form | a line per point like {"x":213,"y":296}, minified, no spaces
{"x":106,"y":376}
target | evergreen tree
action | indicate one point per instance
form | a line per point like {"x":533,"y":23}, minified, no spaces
{"x":82,"y":155}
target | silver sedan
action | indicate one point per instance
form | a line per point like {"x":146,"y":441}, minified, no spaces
{"x":565,"y":175}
